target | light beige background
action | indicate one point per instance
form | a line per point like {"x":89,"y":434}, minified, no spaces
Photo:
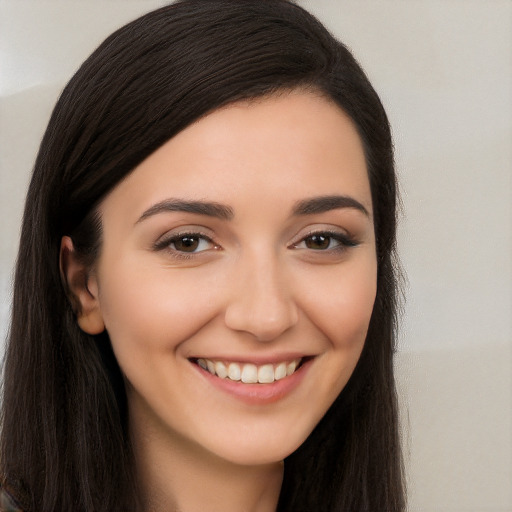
{"x":444,"y":71}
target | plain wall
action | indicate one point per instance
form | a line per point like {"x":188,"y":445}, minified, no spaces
{"x":443,"y":69}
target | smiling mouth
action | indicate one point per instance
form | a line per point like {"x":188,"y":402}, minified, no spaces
{"x":249,"y":373}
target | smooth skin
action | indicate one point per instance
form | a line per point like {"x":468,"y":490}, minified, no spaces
{"x":268,"y":271}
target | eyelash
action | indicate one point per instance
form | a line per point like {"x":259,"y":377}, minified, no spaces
{"x":344,"y":242}
{"x":165,"y":243}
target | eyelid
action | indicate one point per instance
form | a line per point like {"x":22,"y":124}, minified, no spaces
{"x":163,"y":243}
{"x":345,"y":239}
{"x":322,"y":229}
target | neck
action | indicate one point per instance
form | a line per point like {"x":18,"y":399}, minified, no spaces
{"x":174,"y":474}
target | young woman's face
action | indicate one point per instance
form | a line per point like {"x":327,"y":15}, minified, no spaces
{"x":243,"y":248}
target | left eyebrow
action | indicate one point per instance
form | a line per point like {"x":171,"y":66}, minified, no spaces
{"x":324,"y":204}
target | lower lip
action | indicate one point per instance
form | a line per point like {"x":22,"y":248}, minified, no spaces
{"x":258,"y":394}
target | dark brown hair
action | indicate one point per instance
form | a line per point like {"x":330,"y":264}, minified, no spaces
{"x":64,"y":443}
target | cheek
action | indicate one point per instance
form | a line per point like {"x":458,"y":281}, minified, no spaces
{"x":154,"y":310}
{"x":343,"y":306}
{"x":342,"y":313}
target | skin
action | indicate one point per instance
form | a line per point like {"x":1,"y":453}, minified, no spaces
{"x":259,"y":289}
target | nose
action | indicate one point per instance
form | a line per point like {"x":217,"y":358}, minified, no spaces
{"x":261,"y":302}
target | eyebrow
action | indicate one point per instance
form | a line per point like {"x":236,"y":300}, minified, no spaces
{"x":310,"y":206}
{"x":210,"y":209}
{"x":324,"y":204}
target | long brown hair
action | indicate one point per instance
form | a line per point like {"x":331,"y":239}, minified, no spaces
{"x":64,"y":443}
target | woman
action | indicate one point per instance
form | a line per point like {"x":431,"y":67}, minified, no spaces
{"x":206,"y":284}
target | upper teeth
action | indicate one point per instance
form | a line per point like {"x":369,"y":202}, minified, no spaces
{"x":248,"y":372}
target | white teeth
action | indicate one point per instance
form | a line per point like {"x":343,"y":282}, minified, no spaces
{"x":249,"y":373}
{"x":266,"y":374}
{"x":290,"y":368}
{"x":234,"y":372}
{"x":221,"y":370}
{"x":280,"y":371}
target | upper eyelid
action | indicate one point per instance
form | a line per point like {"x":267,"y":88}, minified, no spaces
{"x":168,"y":237}
{"x":329,"y":230}
{"x":181,"y":234}
{"x":345,"y":239}
{"x":206,"y":233}
{"x":187,"y":230}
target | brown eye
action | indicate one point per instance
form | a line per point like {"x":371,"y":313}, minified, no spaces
{"x":326,"y":241}
{"x":186,"y":243}
{"x":318,"y":242}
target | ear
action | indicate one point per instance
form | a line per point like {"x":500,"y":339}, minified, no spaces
{"x":81,"y":287}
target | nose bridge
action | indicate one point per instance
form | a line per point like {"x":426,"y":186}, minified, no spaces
{"x":262,"y":301}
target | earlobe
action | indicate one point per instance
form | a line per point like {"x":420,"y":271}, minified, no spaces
{"x":81,"y":287}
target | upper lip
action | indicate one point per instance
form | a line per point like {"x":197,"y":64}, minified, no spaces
{"x":259,"y":360}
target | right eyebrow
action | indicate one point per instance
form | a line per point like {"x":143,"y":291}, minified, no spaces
{"x":211,"y":209}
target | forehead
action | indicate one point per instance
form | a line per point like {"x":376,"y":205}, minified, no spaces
{"x":288,"y":146}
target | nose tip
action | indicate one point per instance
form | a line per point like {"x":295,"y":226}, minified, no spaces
{"x":264,"y":325}
{"x":262,"y":307}
{"x":264,"y":320}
